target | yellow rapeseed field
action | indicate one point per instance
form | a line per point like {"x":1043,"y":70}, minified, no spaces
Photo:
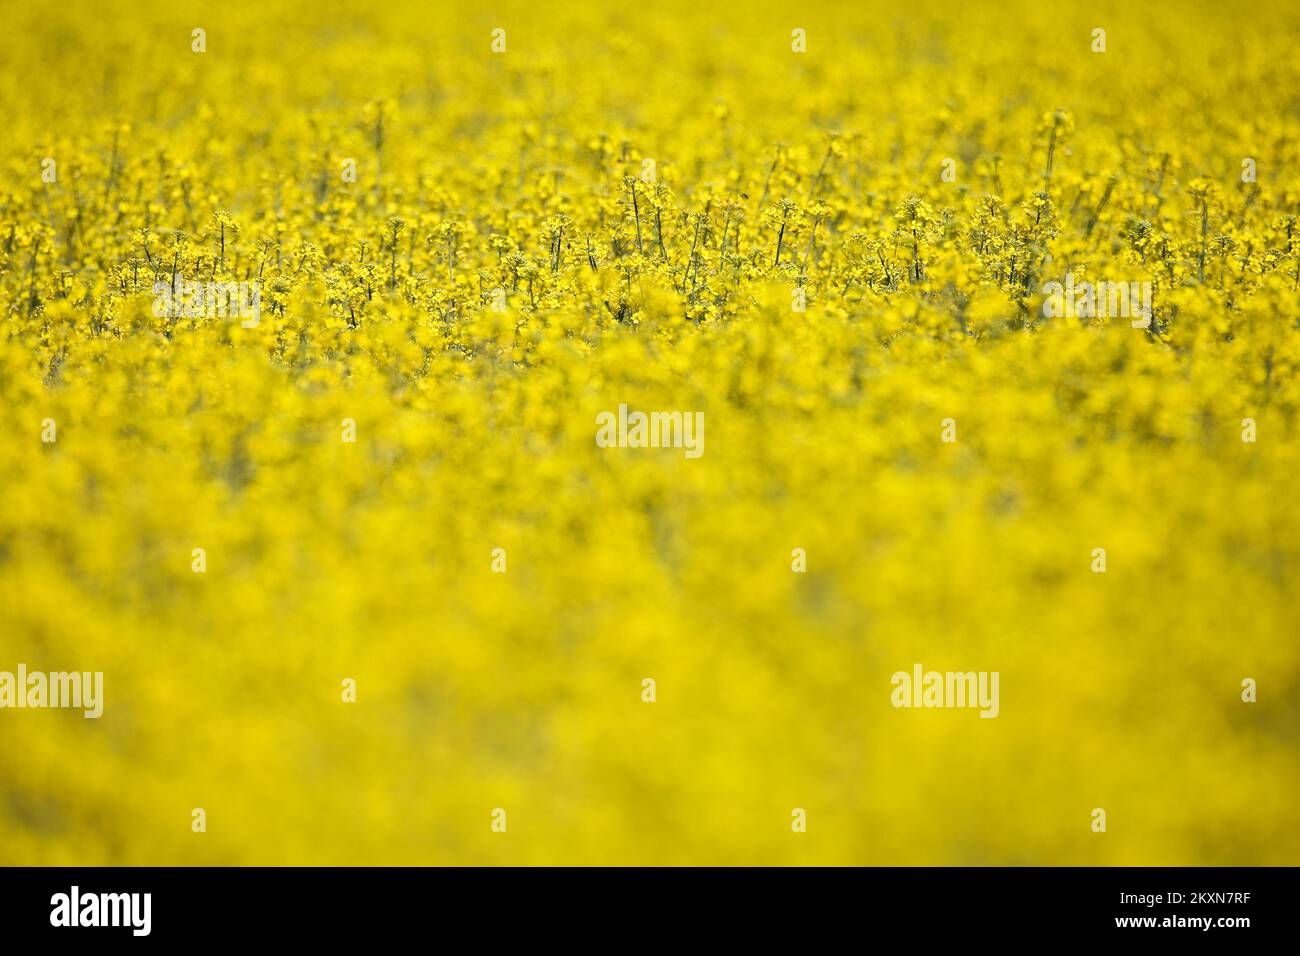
{"x":366,"y":582}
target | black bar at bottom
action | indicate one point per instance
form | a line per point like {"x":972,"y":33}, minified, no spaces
{"x":617,"y":906}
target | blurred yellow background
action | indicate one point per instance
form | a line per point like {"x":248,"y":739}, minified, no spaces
{"x":372,"y":560}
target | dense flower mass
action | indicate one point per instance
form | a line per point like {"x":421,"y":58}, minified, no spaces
{"x":324,"y":334}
